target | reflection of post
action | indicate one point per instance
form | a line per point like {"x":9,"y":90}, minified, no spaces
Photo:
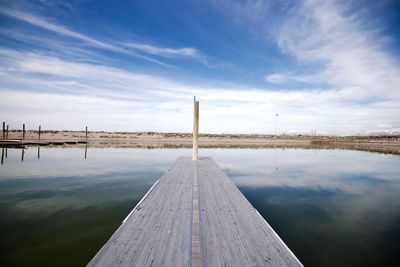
{"x":6,"y":152}
{"x":276,"y":159}
{"x":23,"y":131}
{"x":7,"y":132}
{"x":38,"y":152}
{"x":2,"y":156}
{"x":22,"y":155}
{"x":40,"y":129}
{"x":195,"y":129}
{"x":85,"y":151}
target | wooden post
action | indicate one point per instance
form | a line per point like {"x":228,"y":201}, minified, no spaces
{"x":195,"y":129}
{"x":4,"y":130}
{"x":7,"y":132}
{"x":23,"y":131}
{"x":40,"y":129}
{"x":86,"y":134}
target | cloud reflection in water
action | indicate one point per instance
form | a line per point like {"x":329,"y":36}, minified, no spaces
{"x":332,"y":207}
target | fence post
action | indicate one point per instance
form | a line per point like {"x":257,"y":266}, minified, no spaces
{"x":23,"y":131}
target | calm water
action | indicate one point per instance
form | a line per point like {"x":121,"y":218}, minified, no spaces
{"x":331,"y":207}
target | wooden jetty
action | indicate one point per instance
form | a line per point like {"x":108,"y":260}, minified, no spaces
{"x":194,"y":216}
{"x":24,"y":143}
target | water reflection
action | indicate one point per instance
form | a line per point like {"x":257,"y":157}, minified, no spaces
{"x":332,"y":207}
{"x":4,"y":153}
{"x":63,"y":205}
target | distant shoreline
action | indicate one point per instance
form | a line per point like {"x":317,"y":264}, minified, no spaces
{"x":151,"y":134}
{"x":382,"y":144}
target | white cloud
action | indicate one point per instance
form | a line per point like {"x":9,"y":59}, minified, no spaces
{"x":363,"y":79}
{"x":163,"y":51}
{"x":276,"y":78}
{"x":62,"y":30}
{"x":353,"y":58}
{"x":112,"y":99}
{"x":59,"y":29}
{"x":334,"y":44}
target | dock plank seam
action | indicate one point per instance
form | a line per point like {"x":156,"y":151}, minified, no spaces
{"x":196,"y":255}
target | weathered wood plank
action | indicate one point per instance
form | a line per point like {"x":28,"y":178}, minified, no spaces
{"x":235,"y":234}
{"x":157,"y":233}
{"x":194,"y":216}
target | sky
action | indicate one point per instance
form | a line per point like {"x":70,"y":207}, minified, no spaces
{"x":255,"y":66}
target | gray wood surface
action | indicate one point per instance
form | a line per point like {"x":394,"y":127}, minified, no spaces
{"x":194,"y":216}
{"x":234,"y":233}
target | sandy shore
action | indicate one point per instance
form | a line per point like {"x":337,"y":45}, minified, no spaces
{"x":385,"y":144}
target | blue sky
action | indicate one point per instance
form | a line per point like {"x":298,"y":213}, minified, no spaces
{"x":329,"y":66}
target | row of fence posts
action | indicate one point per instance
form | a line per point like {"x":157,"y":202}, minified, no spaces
{"x":5,"y":137}
{"x":6,"y":129}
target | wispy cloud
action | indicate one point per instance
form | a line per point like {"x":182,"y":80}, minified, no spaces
{"x":327,"y":45}
{"x":62,"y":30}
{"x":114,"y":96}
{"x":56,"y":28}
{"x":163,"y":51}
{"x":351,"y":57}
{"x":276,"y":78}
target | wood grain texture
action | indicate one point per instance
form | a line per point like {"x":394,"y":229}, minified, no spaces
{"x":194,"y":216}
{"x":158,"y":232}
{"x":234,"y":233}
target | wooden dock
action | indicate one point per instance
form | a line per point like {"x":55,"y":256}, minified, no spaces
{"x":194,"y":216}
{"x":24,"y":143}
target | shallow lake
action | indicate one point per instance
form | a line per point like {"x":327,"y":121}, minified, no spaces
{"x":331,"y":207}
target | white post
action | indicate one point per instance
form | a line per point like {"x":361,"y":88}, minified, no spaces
{"x":195,"y":129}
